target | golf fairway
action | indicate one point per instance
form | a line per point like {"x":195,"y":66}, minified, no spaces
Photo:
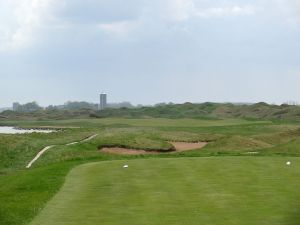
{"x":179,"y":191}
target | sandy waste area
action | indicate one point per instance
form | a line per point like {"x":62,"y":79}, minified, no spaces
{"x":179,"y":146}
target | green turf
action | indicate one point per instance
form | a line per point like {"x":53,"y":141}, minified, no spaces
{"x":210,"y":191}
{"x":23,"y":193}
{"x":17,"y":150}
{"x":157,"y":122}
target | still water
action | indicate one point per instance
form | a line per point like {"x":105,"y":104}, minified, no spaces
{"x":13,"y":130}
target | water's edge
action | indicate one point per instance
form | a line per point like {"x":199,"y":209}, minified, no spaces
{"x":17,"y":130}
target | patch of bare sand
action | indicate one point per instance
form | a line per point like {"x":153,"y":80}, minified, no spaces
{"x":185,"y":146}
{"x":179,"y":146}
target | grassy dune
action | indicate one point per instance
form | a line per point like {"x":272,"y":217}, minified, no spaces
{"x":18,"y":149}
{"x":211,"y":191}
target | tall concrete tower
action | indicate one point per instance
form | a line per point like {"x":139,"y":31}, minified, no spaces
{"x":16,"y":106}
{"x":103,"y":101}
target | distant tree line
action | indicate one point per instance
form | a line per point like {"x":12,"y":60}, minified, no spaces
{"x":206,"y":110}
{"x":73,"y":106}
{"x":70,"y":105}
{"x":28,"y":107}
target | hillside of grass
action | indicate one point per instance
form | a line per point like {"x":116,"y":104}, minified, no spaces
{"x":208,"y":111}
{"x":187,"y":110}
{"x":17,"y":150}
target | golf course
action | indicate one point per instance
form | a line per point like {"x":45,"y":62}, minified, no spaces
{"x":163,"y":112}
{"x":237,"y":172}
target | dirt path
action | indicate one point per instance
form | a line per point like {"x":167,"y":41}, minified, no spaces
{"x":40,"y":153}
{"x":89,"y":138}
{"x":85,"y":140}
{"x":179,"y":146}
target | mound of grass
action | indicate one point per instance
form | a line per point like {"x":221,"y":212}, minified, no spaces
{"x":188,"y":136}
{"x":18,"y":149}
{"x":288,"y":148}
{"x":236,"y":144}
{"x":280,"y":137}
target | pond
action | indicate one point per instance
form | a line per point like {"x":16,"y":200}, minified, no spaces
{"x":14,"y":130}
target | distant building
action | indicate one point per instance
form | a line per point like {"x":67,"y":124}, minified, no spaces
{"x":103,"y":101}
{"x":16,"y":106}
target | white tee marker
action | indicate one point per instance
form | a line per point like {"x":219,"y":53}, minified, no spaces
{"x":125,"y":166}
{"x":288,"y":163}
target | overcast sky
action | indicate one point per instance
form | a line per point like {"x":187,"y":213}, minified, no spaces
{"x":149,"y":51}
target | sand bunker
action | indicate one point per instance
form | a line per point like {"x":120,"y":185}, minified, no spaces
{"x":185,"y":146}
{"x":179,"y":146}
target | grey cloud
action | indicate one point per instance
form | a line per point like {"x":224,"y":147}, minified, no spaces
{"x":103,"y":11}
{"x":152,"y":45}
